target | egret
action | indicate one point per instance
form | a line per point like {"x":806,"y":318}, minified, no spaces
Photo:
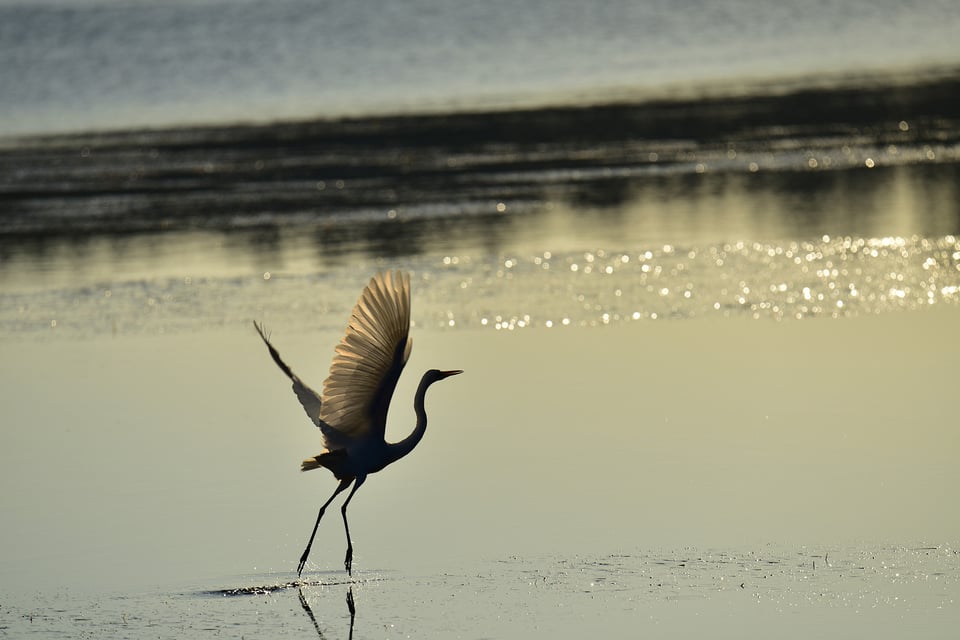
{"x":351,"y":412}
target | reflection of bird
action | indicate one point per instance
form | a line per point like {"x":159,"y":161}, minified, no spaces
{"x":352,"y":410}
{"x":309,"y":611}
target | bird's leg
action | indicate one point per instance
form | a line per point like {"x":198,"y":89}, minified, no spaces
{"x":306,"y":552}
{"x":348,"y":561}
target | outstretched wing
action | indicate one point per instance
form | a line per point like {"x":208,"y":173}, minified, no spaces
{"x":368,"y":363}
{"x":309,"y":398}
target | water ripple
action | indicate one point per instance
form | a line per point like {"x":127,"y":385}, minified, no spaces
{"x":826,"y":277}
{"x":829,"y":277}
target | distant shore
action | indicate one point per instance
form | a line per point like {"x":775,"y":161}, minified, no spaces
{"x":715,"y":113}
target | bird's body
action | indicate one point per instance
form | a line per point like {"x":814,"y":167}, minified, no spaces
{"x":351,"y":413}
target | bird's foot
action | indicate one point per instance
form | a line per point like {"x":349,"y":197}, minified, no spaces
{"x":303,"y":562}
{"x":348,"y":561}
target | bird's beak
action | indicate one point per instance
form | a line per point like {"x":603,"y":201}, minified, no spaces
{"x":447,"y":374}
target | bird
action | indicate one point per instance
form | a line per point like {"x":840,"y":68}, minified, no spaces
{"x":351,"y":410}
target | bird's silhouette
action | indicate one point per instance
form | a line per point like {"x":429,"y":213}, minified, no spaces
{"x":351,"y":412}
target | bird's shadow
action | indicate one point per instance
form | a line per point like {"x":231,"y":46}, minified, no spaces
{"x":351,"y":607}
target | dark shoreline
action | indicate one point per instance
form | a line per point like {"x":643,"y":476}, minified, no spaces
{"x":454,"y":166}
{"x":867,"y":103}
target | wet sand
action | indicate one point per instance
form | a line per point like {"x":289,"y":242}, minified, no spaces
{"x":573,"y":481}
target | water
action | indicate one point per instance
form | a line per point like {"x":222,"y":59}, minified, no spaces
{"x":96,"y":64}
{"x":818,"y":203}
{"x":633,"y":476}
{"x":767,"y":245}
{"x":700,"y":264}
{"x":679,"y":593}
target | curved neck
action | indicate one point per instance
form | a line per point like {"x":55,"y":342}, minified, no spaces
{"x":405,"y":446}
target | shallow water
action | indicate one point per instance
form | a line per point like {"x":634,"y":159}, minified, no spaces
{"x":593,"y":479}
{"x":792,"y":593}
{"x":776,"y":245}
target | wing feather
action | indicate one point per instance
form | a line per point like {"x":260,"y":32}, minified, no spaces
{"x":309,"y":399}
{"x":367,"y":362}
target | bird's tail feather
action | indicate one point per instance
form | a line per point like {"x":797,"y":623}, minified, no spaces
{"x":310,"y":463}
{"x":333,"y":460}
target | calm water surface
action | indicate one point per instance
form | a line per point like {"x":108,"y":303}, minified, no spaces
{"x":681,"y":477}
{"x":106,"y":64}
{"x":681,"y":593}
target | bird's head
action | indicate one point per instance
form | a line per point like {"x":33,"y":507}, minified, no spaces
{"x":433,"y":375}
